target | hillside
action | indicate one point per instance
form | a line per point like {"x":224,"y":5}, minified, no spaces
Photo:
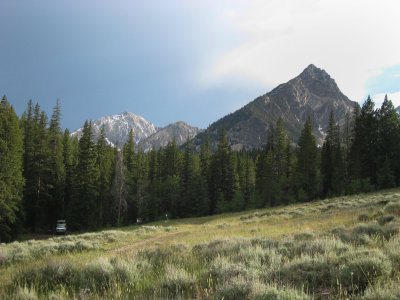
{"x":311,"y":94}
{"x":331,"y":249}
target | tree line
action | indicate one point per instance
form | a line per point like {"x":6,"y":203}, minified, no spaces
{"x":46,"y":174}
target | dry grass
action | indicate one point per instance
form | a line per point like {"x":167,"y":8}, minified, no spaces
{"x":290,"y":248}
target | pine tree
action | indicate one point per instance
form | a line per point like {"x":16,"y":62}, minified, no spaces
{"x":186,"y":174}
{"x":223,"y":175}
{"x":279,"y":150}
{"x":332,"y":169}
{"x":56,"y":178}
{"x":153,"y":166}
{"x":354,"y":160}
{"x":11,"y":163}
{"x":346,"y":141}
{"x":280,"y":162}
{"x":170,"y":160}
{"x":44,"y":198}
{"x":389,"y":137}
{"x":118,"y":190}
{"x":369,"y":133}
{"x":142,"y":181}
{"x":37,"y":170}
{"x":29,"y":169}
{"x":69,"y":157}
{"x":85,"y":191}
{"x":205,"y":162}
{"x":247,"y":179}
{"x":266,"y":185}
{"x":105,"y":159}
{"x":131,"y":163}
{"x":386,"y":177}
{"x":306,"y":171}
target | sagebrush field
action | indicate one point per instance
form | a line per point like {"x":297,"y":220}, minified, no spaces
{"x":340,"y":248}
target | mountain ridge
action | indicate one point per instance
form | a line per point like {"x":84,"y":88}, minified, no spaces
{"x":313,"y":93}
{"x":180,"y":131}
{"x":117,"y":128}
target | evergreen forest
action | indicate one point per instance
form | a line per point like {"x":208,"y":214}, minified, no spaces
{"x":46,"y":175}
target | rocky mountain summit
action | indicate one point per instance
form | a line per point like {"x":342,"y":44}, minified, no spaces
{"x":311,"y":94}
{"x":179,"y":130}
{"x":117,"y":128}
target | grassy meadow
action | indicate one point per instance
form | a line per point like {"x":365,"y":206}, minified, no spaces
{"x":340,"y":248}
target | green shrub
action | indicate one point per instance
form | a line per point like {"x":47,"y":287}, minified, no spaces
{"x":264,"y":243}
{"x":385,"y":219}
{"x":308,"y":272}
{"x":356,"y":274}
{"x":368,"y":229}
{"x":237,"y":288}
{"x":50,"y":275}
{"x":223,"y":269}
{"x":361,"y":234}
{"x":4,"y":256}
{"x":177,"y":280}
{"x":393,"y":208}
{"x":56,"y":296}
{"x":304,"y":236}
{"x":363,"y":218}
{"x":19,"y":252}
{"x":220,"y":247}
{"x":157,"y":256}
{"x":292,"y":249}
{"x":124,"y":271}
{"x":393,"y":251}
{"x":25,"y":294}
{"x":388,"y":292}
{"x":258,"y":257}
{"x":265,"y":292}
{"x":97,"y":275}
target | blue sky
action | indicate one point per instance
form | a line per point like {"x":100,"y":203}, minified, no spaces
{"x":195,"y":61}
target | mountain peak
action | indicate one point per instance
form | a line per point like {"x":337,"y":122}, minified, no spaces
{"x":313,"y":72}
{"x":117,"y":127}
{"x":313,"y":94}
{"x":180,"y":131}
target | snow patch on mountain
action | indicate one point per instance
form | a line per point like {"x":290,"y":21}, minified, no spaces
{"x":117,"y":128}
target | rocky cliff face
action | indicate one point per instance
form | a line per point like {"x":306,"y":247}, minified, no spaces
{"x":117,"y":128}
{"x":179,"y":130}
{"x":313,"y":93}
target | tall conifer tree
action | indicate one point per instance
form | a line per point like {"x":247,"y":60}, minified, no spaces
{"x":388,"y":139}
{"x":105,"y":158}
{"x":56,"y":178}
{"x":306,"y":176}
{"x":83,"y":207}
{"x":11,"y":163}
{"x":332,"y":168}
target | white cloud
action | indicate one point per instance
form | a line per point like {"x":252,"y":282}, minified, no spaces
{"x":351,"y":40}
{"x":394,"y":97}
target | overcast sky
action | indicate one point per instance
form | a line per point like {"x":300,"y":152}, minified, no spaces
{"x":195,"y":61}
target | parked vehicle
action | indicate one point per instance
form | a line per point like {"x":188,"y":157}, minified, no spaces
{"x":61,"y":227}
